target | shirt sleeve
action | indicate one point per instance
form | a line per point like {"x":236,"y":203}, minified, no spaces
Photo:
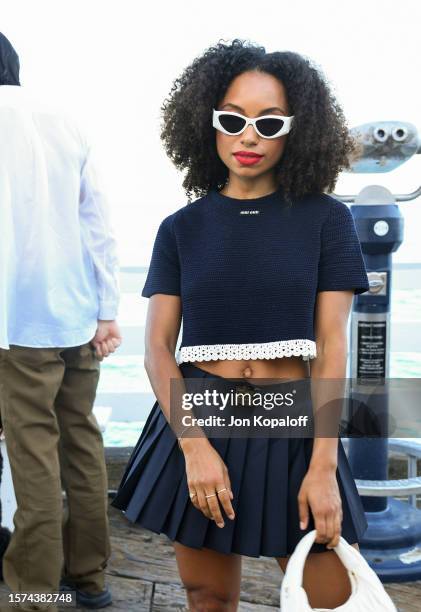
{"x":99,"y":238}
{"x":341,"y":263}
{"x":164,"y":269}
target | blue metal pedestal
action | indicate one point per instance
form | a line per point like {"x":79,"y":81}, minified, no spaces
{"x":399,"y":525}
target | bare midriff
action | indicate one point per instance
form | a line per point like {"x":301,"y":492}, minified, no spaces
{"x":286,"y":368}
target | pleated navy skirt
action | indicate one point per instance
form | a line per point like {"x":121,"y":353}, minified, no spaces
{"x":265,"y":474}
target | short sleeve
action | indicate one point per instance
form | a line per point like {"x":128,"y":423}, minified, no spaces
{"x":341,"y":264}
{"x":164,"y":269}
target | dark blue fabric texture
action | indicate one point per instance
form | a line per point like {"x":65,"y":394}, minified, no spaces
{"x":265,"y":474}
{"x":248,"y":271}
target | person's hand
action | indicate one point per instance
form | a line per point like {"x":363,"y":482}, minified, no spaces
{"x":207,"y":474}
{"x":107,"y":338}
{"x":320,"y":491}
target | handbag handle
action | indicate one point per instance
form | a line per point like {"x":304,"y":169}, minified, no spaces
{"x":349,"y":556}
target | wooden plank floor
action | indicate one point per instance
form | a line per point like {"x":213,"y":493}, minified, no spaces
{"x":142,"y":571}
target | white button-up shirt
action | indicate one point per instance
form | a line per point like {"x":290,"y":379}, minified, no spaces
{"x":58,"y":257}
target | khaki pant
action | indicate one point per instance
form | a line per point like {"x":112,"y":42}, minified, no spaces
{"x":53,"y":439}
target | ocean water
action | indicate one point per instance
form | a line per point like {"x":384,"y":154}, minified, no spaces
{"x":123,"y":374}
{"x":122,"y":433}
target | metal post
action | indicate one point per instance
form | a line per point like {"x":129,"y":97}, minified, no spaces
{"x":391,"y":544}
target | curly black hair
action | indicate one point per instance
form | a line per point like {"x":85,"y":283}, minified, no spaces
{"x":318,"y":146}
{"x":9,"y":63}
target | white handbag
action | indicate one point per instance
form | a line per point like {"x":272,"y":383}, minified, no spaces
{"x":368,"y":593}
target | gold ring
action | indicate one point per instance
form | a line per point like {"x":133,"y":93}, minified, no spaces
{"x":211,"y":495}
{"x":224,"y":489}
{"x":192,"y":495}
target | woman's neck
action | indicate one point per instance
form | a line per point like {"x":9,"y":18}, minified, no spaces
{"x":244,"y":189}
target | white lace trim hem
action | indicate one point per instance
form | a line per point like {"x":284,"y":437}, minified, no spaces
{"x":260,"y":350}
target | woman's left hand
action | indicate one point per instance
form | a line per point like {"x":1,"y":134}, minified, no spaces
{"x":320,"y":491}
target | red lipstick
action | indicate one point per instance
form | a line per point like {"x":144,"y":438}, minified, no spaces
{"x":247,"y":158}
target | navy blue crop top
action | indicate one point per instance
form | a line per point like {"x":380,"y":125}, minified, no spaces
{"x":248,"y":272}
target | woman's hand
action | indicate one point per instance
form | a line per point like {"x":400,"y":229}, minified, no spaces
{"x":320,"y":491}
{"x":207,"y":474}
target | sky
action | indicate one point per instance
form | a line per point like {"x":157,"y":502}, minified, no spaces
{"x":111,"y":64}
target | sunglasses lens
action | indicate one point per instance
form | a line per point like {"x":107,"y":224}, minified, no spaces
{"x":269,"y":127}
{"x":231,"y":123}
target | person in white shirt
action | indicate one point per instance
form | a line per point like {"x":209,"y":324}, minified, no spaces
{"x":59,"y":299}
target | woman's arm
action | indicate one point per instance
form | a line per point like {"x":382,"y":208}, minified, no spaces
{"x":206,"y":472}
{"x":163,"y":323}
{"x":319,"y":489}
{"x":331,"y":320}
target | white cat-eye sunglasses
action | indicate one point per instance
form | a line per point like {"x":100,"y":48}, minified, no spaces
{"x":267,"y":126}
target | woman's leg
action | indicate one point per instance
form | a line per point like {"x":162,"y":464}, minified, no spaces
{"x":319,"y":569}
{"x":212,"y":579}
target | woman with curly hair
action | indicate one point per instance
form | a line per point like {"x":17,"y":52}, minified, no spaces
{"x":261,"y":268}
